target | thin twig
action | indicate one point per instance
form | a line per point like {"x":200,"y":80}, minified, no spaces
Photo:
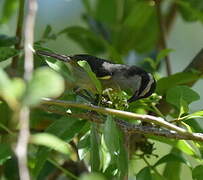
{"x":147,"y":118}
{"x":19,"y":30}
{"x":162,"y":42}
{"x":22,"y":143}
{"x":29,"y":39}
{"x":170,"y":17}
{"x":24,"y":112}
{"x":152,"y":167}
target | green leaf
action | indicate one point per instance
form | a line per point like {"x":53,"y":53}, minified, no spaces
{"x":174,"y":95}
{"x":162,"y":54}
{"x":172,"y":157}
{"x":61,"y":68}
{"x":50,"y":141}
{"x":6,"y":115}
{"x":11,"y":89}
{"x":70,"y":133}
{"x":144,"y":174}
{"x":87,"y":5}
{"x":111,"y":135}
{"x":134,"y":29}
{"x":61,"y":127}
{"x":182,"y":145}
{"x":106,"y":11}
{"x":6,"y":41}
{"x":5,"y":153}
{"x":140,"y":11}
{"x":183,"y":107}
{"x":197,"y":172}
{"x":7,"y":52}
{"x":151,"y":62}
{"x":92,"y":176}
{"x":86,"y":67}
{"x":198,"y":114}
{"x":5,"y":86}
{"x":11,"y":165}
{"x":47,"y":31}
{"x":18,"y":87}
{"x":182,"y":78}
{"x":44,"y":83}
{"x":94,"y":151}
{"x":156,"y":176}
{"x":88,"y":40}
{"x":84,"y":143}
{"x":191,"y":10}
{"x":172,"y":170}
{"x":122,"y":160}
{"x":9,"y":8}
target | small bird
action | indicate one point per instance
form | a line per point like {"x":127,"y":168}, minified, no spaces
{"x":111,"y":75}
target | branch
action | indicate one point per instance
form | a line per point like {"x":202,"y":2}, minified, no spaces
{"x":162,"y":41}
{"x":196,"y":64}
{"x":179,"y":133}
{"x":24,"y":112}
{"x":170,"y":17}
{"x":19,"y":30}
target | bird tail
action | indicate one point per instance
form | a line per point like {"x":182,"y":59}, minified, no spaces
{"x":54,"y":55}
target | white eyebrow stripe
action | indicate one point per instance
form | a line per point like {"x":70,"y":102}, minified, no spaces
{"x":146,"y":90}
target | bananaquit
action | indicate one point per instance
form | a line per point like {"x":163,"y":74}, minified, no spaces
{"x":140,"y":83}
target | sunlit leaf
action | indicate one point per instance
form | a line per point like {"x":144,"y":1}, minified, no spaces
{"x":51,"y":141}
{"x":92,"y":76}
{"x":198,"y":114}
